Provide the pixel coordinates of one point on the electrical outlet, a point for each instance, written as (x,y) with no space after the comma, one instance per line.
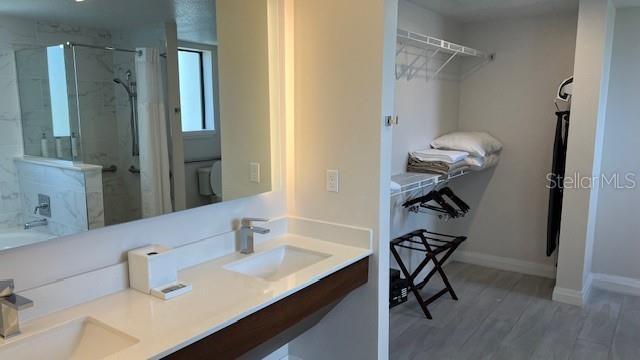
(333,180)
(254,172)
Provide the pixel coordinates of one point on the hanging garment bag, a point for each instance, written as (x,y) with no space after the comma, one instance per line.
(557,177)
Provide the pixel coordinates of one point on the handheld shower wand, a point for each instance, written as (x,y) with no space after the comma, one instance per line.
(130,88)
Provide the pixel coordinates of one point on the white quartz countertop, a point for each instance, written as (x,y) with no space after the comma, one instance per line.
(219,298)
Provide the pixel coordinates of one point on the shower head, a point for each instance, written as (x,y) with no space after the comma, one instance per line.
(117,81)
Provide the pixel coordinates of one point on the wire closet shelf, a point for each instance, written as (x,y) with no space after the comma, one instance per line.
(411,182)
(424,48)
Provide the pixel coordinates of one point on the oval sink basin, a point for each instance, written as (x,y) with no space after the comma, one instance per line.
(277,263)
(85,338)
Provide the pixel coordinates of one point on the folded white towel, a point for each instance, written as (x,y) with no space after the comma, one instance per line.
(447,156)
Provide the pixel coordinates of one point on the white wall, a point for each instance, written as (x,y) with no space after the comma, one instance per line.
(427,109)
(617,236)
(591,73)
(244,95)
(512,99)
(343,65)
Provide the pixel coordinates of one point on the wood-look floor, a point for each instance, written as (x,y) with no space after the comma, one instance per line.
(505,315)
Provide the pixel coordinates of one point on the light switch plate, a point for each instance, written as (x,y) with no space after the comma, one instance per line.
(254,172)
(333,180)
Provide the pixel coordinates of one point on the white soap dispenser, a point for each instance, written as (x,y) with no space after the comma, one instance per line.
(44,146)
(153,270)
(59,153)
(74,146)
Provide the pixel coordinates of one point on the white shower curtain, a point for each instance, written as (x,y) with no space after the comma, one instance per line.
(154,154)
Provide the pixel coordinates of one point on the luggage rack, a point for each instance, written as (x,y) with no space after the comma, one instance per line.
(432,244)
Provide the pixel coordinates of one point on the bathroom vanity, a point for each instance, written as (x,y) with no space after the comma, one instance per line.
(238,303)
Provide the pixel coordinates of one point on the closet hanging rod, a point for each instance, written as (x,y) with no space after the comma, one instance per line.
(409,38)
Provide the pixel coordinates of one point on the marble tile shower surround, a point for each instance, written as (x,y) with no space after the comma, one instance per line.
(95,102)
(75,192)
(29,39)
(102,105)
(10,138)
(122,191)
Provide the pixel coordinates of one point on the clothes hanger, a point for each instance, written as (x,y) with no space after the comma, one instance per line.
(565,92)
(433,195)
(446,191)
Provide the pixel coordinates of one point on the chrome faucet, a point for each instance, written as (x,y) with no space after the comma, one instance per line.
(246,233)
(10,304)
(41,207)
(31,224)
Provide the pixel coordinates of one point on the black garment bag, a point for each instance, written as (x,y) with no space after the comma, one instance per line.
(556,180)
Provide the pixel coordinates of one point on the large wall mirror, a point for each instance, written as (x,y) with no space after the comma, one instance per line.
(114,111)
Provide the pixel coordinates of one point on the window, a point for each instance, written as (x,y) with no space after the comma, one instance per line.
(196,89)
(191,90)
(58,90)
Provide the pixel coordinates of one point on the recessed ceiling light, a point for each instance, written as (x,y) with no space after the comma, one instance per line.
(79,0)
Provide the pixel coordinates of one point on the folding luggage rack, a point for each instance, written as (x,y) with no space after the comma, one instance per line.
(432,244)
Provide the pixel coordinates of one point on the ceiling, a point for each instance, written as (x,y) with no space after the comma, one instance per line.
(195,19)
(466,11)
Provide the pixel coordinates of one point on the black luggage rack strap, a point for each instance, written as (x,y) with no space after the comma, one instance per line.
(432,244)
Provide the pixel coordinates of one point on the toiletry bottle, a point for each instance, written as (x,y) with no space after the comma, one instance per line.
(59,147)
(74,146)
(44,146)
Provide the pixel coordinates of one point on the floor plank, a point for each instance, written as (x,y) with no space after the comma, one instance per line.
(603,311)
(528,289)
(504,315)
(527,333)
(626,341)
(558,341)
(585,350)
(485,341)
(446,342)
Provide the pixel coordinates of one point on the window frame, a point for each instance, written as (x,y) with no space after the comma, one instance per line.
(203,120)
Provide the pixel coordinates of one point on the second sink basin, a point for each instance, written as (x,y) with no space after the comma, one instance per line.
(277,263)
(85,339)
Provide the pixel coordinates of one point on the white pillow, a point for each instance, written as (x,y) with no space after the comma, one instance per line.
(475,143)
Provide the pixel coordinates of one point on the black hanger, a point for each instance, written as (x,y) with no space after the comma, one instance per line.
(423,201)
(446,191)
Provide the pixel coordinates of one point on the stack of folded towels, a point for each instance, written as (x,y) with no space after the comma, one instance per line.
(437,161)
(456,151)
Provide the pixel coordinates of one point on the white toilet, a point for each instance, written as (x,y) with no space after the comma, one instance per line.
(210,181)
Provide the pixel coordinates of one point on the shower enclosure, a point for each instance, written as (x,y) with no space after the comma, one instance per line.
(79,103)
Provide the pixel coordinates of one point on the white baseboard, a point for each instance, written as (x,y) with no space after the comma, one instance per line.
(571,296)
(508,264)
(619,284)
(567,296)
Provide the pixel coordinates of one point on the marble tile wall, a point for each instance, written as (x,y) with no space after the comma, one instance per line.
(122,190)
(100,113)
(10,133)
(25,112)
(33,79)
(75,193)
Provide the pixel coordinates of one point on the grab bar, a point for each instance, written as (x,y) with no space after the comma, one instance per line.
(192,161)
(110,169)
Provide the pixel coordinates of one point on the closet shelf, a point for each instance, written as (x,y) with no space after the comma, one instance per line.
(428,47)
(417,181)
